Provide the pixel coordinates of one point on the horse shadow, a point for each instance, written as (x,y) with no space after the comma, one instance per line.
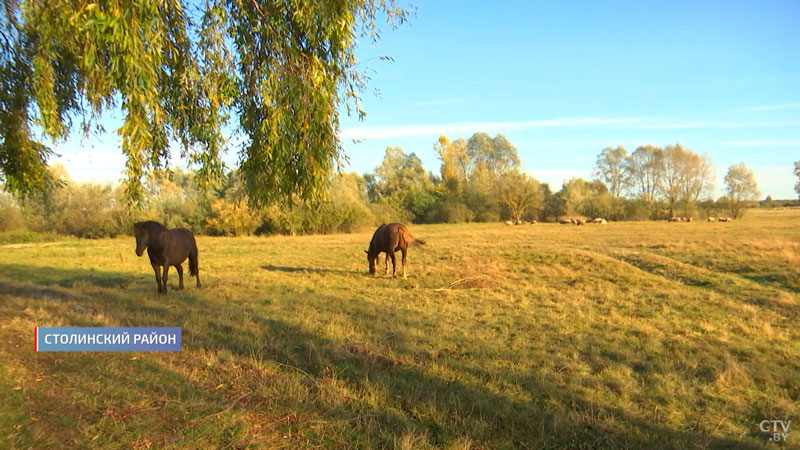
(286,269)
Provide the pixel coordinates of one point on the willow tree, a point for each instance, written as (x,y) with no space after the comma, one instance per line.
(272,74)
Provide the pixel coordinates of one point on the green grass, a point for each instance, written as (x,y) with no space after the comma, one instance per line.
(670,335)
(24,237)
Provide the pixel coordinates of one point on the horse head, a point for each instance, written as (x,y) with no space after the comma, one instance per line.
(372,262)
(142,234)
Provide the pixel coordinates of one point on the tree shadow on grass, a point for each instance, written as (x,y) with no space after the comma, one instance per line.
(34,292)
(66,277)
(340,393)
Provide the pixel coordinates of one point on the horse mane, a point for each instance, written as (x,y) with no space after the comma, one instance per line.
(150,225)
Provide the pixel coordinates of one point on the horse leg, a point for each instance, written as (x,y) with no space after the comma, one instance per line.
(158,277)
(179,268)
(386,264)
(394,264)
(404,262)
(164,277)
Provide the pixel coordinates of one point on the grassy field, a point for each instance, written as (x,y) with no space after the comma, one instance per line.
(671,335)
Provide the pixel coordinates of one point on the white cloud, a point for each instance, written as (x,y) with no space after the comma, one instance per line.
(627,123)
(772,107)
(763,143)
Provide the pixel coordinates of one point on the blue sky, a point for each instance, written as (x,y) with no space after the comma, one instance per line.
(564,79)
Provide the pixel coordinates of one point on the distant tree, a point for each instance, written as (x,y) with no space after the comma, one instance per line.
(610,168)
(586,198)
(645,167)
(481,194)
(401,180)
(741,187)
(675,168)
(494,154)
(797,173)
(470,174)
(699,182)
(455,163)
(397,175)
(519,192)
(554,204)
(686,176)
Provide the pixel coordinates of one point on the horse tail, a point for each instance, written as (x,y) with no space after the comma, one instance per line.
(411,239)
(193,264)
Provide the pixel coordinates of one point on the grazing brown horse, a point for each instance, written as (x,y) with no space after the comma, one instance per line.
(389,239)
(167,248)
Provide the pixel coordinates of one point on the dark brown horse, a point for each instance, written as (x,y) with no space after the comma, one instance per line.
(389,239)
(167,248)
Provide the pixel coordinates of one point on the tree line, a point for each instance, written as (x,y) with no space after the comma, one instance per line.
(479,180)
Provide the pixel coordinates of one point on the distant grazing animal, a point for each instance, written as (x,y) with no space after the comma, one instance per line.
(534,221)
(687,219)
(579,221)
(602,222)
(166,248)
(598,220)
(508,222)
(675,219)
(389,239)
(725,219)
(712,219)
(565,221)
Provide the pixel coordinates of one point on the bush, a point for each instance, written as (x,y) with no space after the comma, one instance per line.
(388,213)
(637,210)
(232,219)
(86,210)
(346,210)
(450,212)
(25,237)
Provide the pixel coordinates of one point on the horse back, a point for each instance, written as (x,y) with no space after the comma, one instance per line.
(183,243)
(389,237)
